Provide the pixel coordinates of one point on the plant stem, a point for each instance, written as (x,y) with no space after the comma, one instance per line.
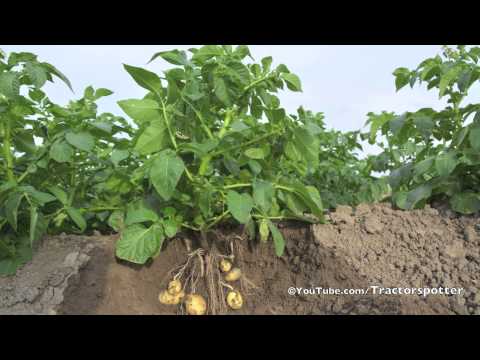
(234,186)
(263,137)
(218,219)
(200,117)
(167,124)
(255,83)
(226,124)
(7,153)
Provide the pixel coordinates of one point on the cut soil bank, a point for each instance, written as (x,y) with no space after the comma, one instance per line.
(371,246)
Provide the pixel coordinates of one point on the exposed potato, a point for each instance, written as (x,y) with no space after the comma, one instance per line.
(174,287)
(168,299)
(233,275)
(234,299)
(225,265)
(195,304)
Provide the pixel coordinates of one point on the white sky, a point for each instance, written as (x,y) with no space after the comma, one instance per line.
(344,82)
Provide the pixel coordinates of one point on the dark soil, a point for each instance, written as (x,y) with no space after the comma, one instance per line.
(373,245)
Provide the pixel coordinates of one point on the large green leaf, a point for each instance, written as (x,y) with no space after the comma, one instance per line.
(153,139)
(141,111)
(139,212)
(263,194)
(60,194)
(77,218)
(255,153)
(61,152)
(293,81)
(446,163)
(53,70)
(38,225)
(9,84)
(11,208)
(474,138)
(408,200)
(240,206)
(167,168)
(139,243)
(465,203)
(308,146)
(36,73)
(146,79)
(278,240)
(175,57)
(221,91)
(82,140)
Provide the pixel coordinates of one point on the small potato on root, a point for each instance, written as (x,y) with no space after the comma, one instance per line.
(225,265)
(234,299)
(168,299)
(195,304)
(174,287)
(233,275)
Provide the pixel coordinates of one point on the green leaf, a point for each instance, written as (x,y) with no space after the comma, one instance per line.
(175,57)
(206,52)
(11,208)
(59,194)
(146,79)
(263,230)
(141,111)
(402,77)
(278,240)
(293,82)
(465,203)
(61,152)
(153,139)
(77,218)
(82,141)
(138,243)
(423,166)
(263,194)
(446,163)
(102,92)
(116,220)
(308,146)
(36,73)
(9,84)
(239,205)
(221,91)
(53,70)
(165,173)
(119,155)
(255,153)
(38,225)
(422,192)
(474,138)
(139,212)
(170,227)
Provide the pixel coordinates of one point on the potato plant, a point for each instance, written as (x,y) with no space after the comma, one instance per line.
(58,167)
(434,154)
(215,145)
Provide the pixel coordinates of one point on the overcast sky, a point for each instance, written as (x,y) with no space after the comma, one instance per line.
(344,82)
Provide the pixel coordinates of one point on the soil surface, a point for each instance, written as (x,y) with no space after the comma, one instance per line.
(372,245)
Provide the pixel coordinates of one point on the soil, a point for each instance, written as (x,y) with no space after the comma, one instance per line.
(372,245)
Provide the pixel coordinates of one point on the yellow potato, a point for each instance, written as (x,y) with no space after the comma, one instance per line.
(195,304)
(225,265)
(174,287)
(168,299)
(233,275)
(234,299)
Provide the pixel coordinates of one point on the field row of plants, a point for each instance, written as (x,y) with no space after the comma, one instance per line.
(209,144)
